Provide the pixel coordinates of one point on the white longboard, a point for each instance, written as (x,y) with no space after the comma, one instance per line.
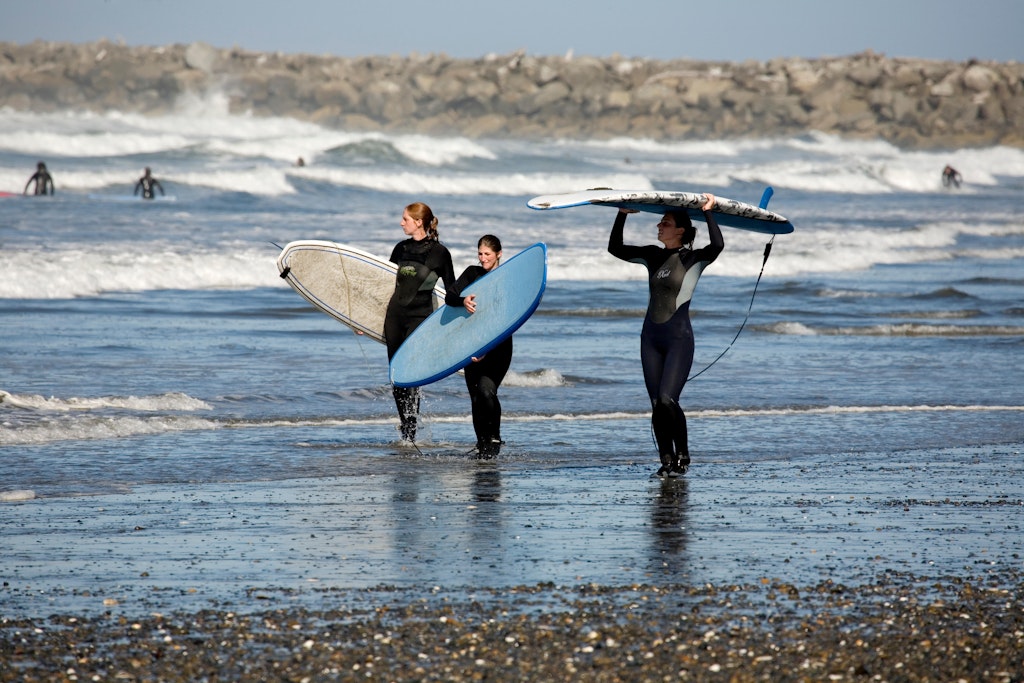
(348,284)
(728,212)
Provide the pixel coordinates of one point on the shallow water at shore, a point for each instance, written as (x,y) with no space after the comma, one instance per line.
(448,521)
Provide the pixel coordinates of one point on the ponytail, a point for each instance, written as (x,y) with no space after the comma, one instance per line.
(683,221)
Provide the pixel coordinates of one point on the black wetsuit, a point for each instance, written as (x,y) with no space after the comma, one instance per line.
(483,377)
(43,180)
(147,183)
(420,265)
(666,343)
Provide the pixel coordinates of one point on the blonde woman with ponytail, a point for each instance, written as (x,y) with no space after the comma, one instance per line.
(422,260)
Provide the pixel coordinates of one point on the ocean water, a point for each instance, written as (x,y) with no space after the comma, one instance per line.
(153,343)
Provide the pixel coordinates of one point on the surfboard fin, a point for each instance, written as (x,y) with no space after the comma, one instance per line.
(284,273)
(766,197)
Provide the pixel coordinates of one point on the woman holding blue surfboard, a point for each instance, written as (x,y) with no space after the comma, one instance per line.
(421,261)
(666,343)
(483,375)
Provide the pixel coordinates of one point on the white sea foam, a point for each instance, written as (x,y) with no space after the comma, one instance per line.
(857,410)
(38,419)
(819,248)
(92,428)
(897,330)
(88,270)
(465,183)
(17,495)
(240,148)
(770,412)
(261,179)
(547,377)
(173,401)
(84,271)
(77,427)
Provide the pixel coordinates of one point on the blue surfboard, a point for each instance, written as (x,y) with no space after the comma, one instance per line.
(451,337)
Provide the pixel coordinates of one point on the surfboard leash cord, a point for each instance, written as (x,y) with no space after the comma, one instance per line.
(764,262)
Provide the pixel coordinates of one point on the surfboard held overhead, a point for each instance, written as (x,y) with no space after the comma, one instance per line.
(728,212)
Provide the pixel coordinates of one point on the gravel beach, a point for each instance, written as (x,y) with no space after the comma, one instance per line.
(969,629)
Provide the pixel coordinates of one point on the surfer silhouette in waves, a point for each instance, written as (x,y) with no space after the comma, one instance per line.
(147,183)
(42,179)
(666,342)
(951,177)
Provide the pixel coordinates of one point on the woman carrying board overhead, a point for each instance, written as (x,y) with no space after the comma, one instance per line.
(421,261)
(483,375)
(666,343)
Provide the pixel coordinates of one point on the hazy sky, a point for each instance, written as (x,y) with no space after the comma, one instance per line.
(731,30)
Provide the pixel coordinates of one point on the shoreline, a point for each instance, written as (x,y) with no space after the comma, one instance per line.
(912,103)
(449,525)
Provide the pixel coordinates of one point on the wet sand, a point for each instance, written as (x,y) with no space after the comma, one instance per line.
(896,566)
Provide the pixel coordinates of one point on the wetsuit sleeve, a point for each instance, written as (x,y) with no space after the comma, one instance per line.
(615,238)
(395,253)
(626,252)
(445,269)
(453,295)
(711,252)
(137,186)
(157,183)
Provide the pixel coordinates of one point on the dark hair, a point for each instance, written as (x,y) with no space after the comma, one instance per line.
(682,219)
(491,241)
(421,212)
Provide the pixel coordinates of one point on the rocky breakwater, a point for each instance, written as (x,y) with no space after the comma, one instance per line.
(913,103)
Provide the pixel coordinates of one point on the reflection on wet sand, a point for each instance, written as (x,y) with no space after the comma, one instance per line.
(669,510)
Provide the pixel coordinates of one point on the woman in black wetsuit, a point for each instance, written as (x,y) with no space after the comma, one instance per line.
(666,343)
(484,375)
(421,260)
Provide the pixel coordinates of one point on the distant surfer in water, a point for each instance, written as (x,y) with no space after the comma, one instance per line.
(485,374)
(666,343)
(421,261)
(42,179)
(146,183)
(951,177)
